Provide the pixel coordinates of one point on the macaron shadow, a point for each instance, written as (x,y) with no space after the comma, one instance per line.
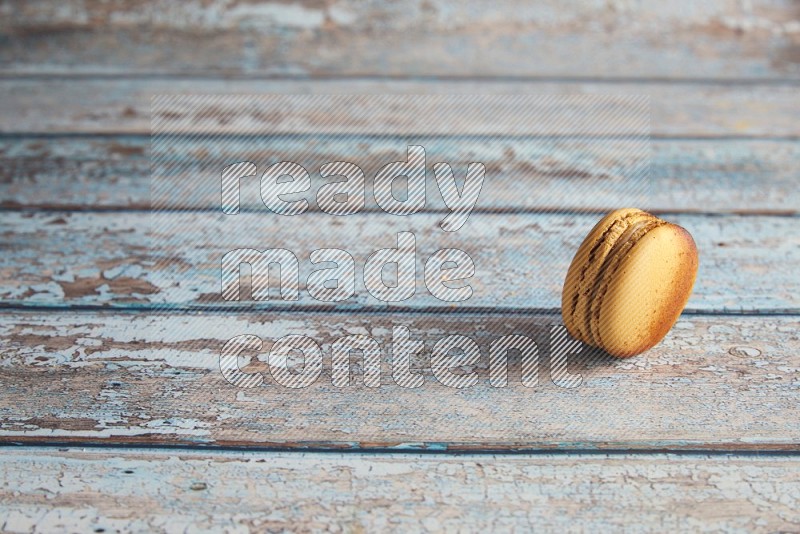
(581,358)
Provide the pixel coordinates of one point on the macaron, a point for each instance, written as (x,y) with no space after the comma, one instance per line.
(628,282)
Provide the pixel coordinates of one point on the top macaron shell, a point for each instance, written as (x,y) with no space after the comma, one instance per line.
(641,299)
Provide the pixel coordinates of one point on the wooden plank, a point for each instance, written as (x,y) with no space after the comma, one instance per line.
(111,259)
(88,172)
(123,105)
(440,38)
(715,382)
(86,490)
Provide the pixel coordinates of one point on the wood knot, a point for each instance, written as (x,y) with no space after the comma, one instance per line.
(742,351)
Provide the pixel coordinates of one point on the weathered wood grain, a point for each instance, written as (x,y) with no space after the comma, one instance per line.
(73,376)
(715,382)
(114,172)
(87,490)
(112,259)
(758,39)
(123,105)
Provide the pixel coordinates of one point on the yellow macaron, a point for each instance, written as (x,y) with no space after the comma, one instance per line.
(629,282)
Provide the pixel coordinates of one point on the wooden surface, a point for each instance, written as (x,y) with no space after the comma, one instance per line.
(710,176)
(716,382)
(704,109)
(718,39)
(186,490)
(107,258)
(98,348)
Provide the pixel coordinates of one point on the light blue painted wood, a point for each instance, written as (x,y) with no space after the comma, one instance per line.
(714,383)
(107,259)
(91,172)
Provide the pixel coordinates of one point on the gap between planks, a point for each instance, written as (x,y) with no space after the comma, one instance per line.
(466,78)
(179,309)
(406,450)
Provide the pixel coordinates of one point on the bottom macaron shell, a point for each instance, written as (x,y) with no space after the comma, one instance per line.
(647,291)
